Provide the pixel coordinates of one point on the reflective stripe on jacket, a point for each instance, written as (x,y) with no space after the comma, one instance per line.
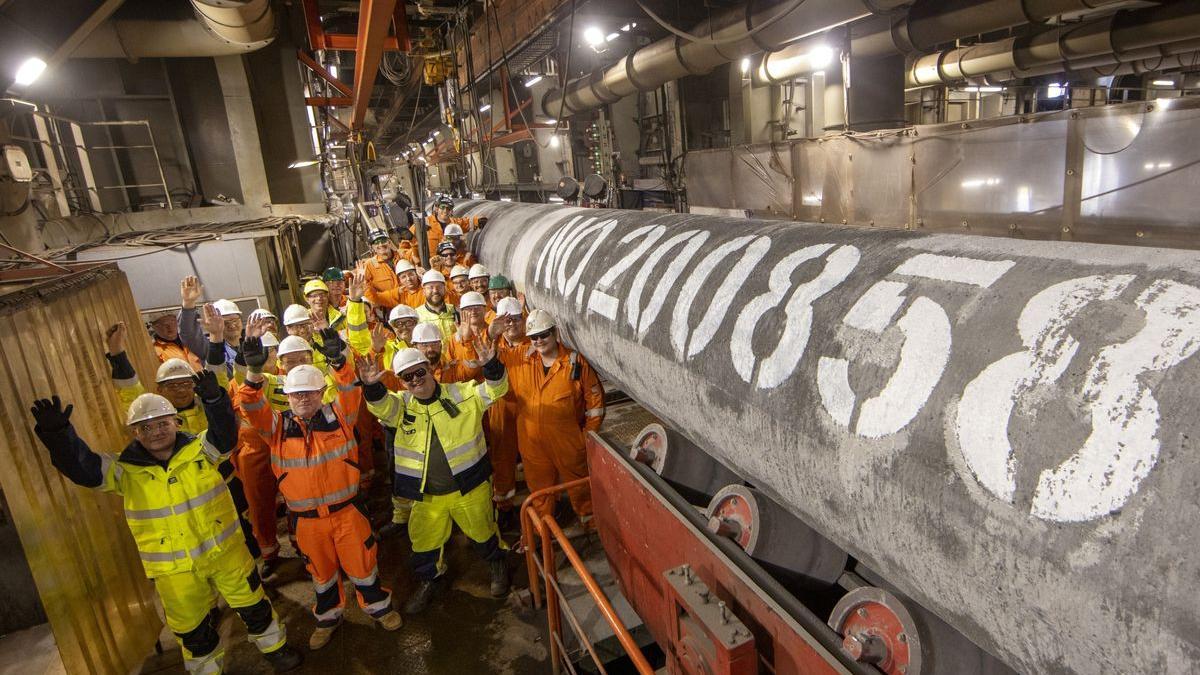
(457,419)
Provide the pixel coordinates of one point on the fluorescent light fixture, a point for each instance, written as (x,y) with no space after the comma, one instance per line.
(551,120)
(30,71)
(301,163)
(437,133)
(333,70)
(533,80)
(485,107)
(626,27)
(819,56)
(593,35)
(506,199)
(745,65)
(984,90)
(1055,90)
(611,36)
(555,200)
(554,141)
(1163,83)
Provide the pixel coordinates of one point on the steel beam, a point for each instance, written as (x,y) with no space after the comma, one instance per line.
(326,101)
(322,72)
(374,17)
(1003,429)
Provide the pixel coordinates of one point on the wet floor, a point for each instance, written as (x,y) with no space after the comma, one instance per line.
(465,630)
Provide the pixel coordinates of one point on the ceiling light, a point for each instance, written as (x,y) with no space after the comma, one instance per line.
(437,133)
(485,107)
(611,36)
(819,57)
(745,65)
(333,70)
(506,199)
(1055,90)
(626,27)
(301,163)
(554,141)
(1163,83)
(533,80)
(30,71)
(593,35)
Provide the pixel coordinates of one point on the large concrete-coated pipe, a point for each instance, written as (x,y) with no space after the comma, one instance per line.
(153,29)
(1003,429)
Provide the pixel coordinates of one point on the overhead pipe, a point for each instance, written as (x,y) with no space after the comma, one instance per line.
(156,29)
(927,24)
(1174,56)
(674,57)
(1114,35)
(934,404)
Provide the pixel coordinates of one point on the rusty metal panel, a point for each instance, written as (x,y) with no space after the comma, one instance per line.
(99,603)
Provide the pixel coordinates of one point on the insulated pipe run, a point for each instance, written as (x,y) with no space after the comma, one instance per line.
(673,57)
(151,29)
(1174,56)
(1125,31)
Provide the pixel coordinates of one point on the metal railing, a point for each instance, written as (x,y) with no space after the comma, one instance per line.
(548,533)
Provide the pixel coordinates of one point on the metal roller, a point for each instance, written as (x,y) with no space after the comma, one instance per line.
(773,536)
(1001,428)
(876,628)
(690,470)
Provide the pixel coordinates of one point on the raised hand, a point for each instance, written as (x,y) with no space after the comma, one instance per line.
(114,338)
(369,372)
(484,349)
(253,353)
(190,291)
(332,344)
(320,319)
(357,285)
(207,387)
(379,338)
(212,323)
(256,326)
(49,413)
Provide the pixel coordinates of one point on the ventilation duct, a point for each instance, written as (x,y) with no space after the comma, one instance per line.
(153,29)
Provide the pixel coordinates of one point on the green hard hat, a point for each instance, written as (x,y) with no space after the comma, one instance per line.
(333,274)
(499,282)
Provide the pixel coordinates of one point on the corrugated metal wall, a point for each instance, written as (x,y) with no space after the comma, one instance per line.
(99,602)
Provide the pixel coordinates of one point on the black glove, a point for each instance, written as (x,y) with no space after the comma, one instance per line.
(483,220)
(49,414)
(253,353)
(332,345)
(207,387)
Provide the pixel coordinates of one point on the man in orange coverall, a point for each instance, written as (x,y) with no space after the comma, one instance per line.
(508,328)
(559,397)
(315,459)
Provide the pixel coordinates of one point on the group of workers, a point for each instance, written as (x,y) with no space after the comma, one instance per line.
(445,368)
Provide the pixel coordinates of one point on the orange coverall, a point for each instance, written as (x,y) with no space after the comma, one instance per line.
(316,464)
(382,284)
(554,408)
(501,429)
(253,464)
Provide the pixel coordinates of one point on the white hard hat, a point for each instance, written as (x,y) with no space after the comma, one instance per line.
(508,307)
(471,299)
(261,312)
(407,358)
(292,344)
(147,407)
(426,332)
(173,369)
(433,277)
(479,272)
(227,307)
(402,312)
(303,378)
(539,321)
(459,271)
(269,340)
(295,314)
(453,230)
(404,266)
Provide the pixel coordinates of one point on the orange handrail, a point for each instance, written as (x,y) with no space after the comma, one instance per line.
(549,531)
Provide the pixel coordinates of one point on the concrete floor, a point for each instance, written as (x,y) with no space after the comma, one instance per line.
(464,631)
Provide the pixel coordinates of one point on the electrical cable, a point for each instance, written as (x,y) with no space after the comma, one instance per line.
(723,41)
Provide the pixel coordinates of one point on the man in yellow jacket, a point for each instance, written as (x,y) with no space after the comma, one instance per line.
(441,461)
(181,515)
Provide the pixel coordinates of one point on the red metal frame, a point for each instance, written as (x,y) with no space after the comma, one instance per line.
(629,513)
(374,17)
(319,39)
(322,72)
(329,101)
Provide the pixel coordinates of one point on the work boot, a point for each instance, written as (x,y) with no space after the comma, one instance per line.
(285,659)
(422,595)
(391,529)
(391,620)
(499,586)
(269,567)
(506,520)
(321,636)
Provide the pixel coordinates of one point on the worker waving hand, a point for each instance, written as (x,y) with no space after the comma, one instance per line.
(182,517)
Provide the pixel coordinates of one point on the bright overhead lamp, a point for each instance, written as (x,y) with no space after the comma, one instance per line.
(611,36)
(745,65)
(533,80)
(593,35)
(437,132)
(485,107)
(820,56)
(301,163)
(1163,83)
(29,71)
(333,70)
